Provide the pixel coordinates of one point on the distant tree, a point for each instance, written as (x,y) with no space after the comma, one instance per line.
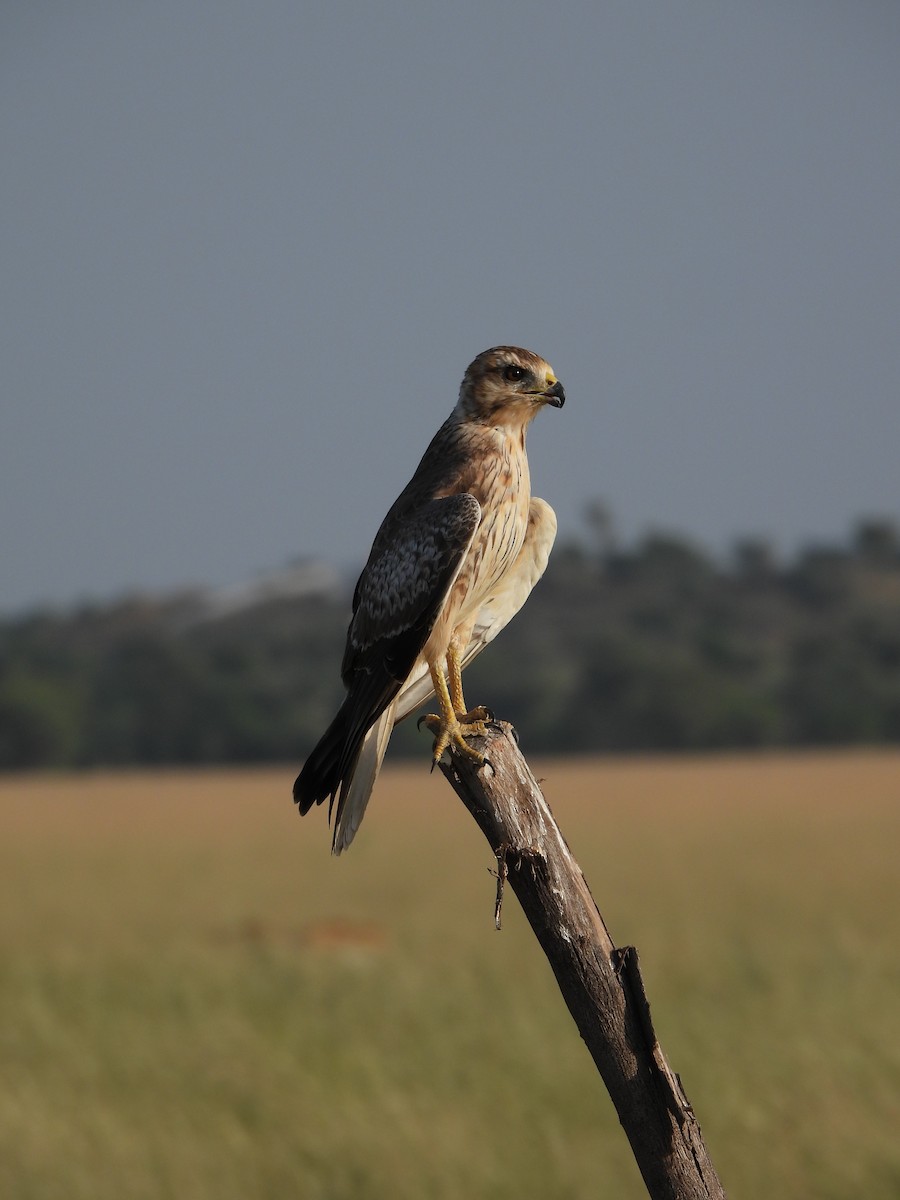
(822,576)
(876,541)
(147,704)
(754,560)
(598,518)
(39,722)
(832,693)
(664,648)
(673,559)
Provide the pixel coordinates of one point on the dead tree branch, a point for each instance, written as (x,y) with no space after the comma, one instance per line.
(601,984)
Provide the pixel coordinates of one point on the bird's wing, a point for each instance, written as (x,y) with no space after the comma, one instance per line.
(499,608)
(400,594)
(497,611)
(403,586)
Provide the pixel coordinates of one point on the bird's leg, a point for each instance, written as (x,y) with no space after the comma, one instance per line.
(477,716)
(454,679)
(447,728)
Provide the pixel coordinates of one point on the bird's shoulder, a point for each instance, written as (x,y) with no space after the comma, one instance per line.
(421,541)
(450,466)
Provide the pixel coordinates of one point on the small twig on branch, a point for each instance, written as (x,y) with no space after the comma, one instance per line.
(501,874)
(602,985)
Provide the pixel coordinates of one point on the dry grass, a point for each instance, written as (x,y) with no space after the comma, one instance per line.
(197,1001)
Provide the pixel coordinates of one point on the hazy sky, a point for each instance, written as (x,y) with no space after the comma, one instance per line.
(248,249)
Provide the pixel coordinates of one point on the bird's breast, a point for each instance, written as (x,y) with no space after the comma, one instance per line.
(502,487)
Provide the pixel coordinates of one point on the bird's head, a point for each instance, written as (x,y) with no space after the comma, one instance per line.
(508,386)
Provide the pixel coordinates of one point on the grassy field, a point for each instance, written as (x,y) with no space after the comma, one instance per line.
(197,1001)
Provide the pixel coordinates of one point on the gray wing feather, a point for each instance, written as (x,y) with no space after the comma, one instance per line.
(411,568)
(401,591)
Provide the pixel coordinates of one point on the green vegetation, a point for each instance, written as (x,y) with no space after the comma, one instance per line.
(653,647)
(197,1001)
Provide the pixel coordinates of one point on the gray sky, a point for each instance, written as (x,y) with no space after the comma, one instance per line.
(249,247)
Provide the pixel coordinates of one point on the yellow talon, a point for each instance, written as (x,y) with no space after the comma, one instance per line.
(454,724)
(454,733)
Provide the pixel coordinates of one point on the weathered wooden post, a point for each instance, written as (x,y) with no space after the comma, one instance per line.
(601,984)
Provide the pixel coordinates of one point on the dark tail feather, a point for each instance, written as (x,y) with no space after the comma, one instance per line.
(333,758)
(321,774)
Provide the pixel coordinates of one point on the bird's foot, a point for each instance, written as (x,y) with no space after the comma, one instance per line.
(480,715)
(454,732)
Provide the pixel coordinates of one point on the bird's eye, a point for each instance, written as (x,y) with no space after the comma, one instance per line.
(512,373)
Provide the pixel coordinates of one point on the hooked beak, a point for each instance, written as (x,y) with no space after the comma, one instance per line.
(555,395)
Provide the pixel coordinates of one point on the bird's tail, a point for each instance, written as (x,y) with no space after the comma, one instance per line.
(346,758)
(357,788)
(322,770)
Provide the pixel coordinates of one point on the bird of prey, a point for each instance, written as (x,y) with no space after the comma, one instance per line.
(454,560)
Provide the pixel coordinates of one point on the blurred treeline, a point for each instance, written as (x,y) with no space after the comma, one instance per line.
(655,646)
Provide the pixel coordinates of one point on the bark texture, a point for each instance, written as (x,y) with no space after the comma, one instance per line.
(600,983)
